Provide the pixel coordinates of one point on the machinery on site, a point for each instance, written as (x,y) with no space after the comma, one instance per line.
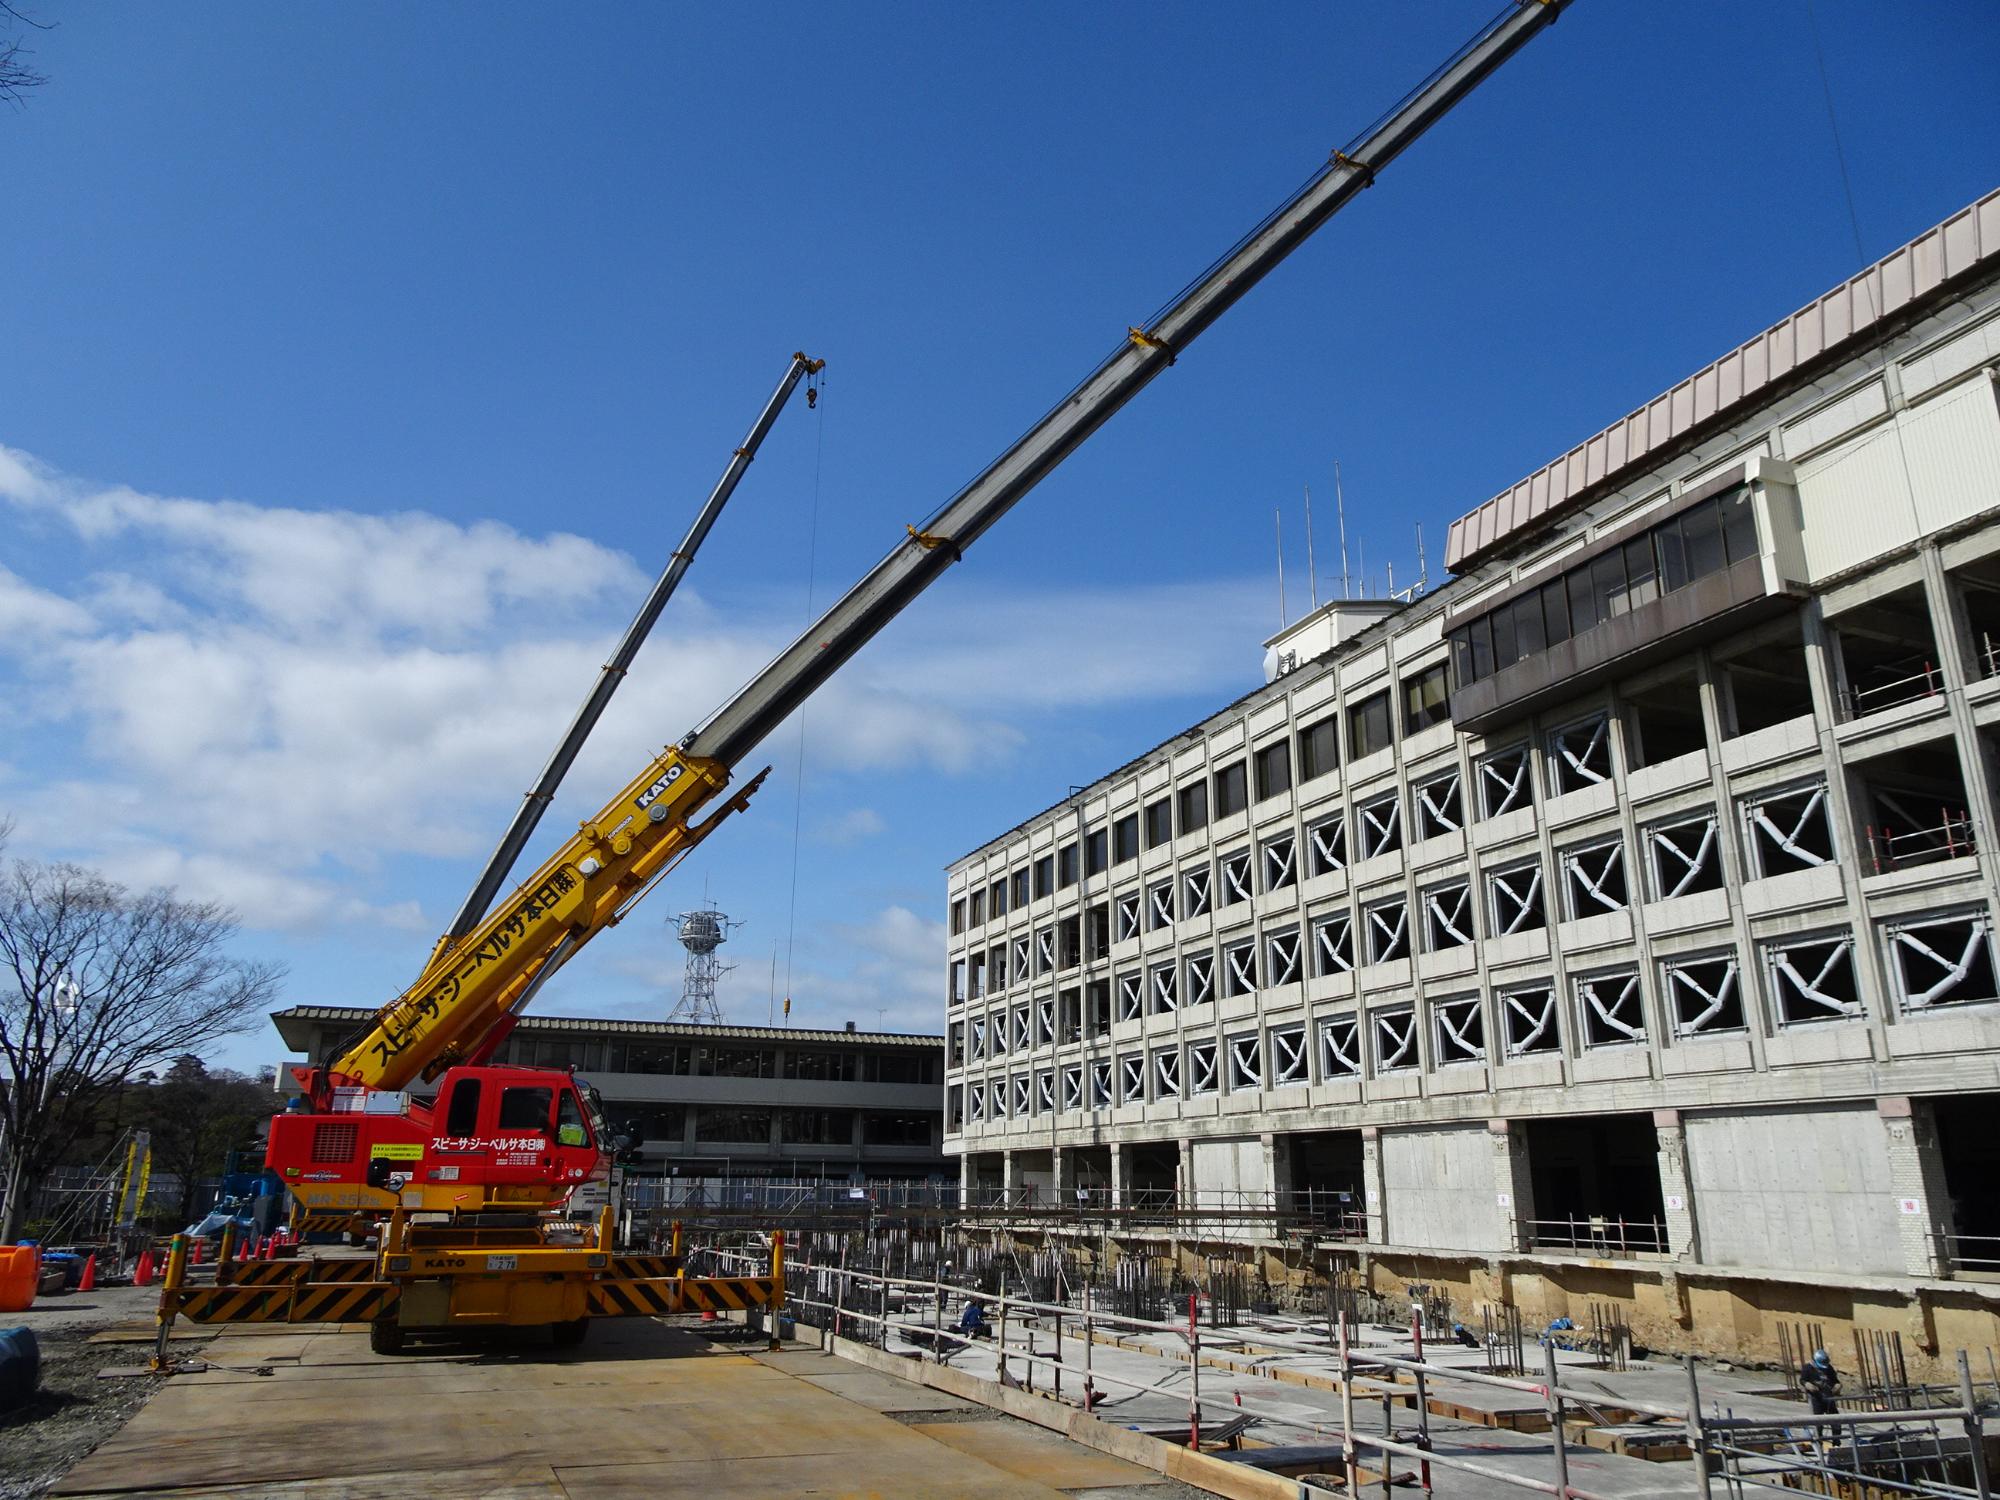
(467,1181)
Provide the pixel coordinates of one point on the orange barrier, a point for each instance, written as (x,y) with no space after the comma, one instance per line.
(20,1275)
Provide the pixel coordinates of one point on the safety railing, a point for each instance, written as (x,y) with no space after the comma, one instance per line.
(1593,1234)
(1972,1254)
(1731,1455)
(1887,686)
(1949,838)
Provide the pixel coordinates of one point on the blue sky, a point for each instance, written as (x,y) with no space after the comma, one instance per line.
(359,364)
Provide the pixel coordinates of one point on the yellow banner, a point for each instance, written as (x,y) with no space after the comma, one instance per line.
(397,1151)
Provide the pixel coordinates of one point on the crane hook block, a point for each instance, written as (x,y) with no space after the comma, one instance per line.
(930,543)
(1146,340)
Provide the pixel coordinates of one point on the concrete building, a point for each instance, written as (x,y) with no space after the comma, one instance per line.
(1614,922)
(727,1101)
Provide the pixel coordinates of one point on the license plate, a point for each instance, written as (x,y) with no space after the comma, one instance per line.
(502,1262)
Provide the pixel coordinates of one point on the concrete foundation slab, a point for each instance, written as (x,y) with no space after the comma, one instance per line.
(1041,1456)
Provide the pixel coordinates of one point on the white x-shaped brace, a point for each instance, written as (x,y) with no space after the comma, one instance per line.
(1464,1032)
(1514,906)
(1196,893)
(1450,910)
(1132,1077)
(1201,980)
(1045,950)
(975,1102)
(1610,1014)
(1020,960)
(1439,802)
(1161,898)
(1288,1055)
(1201,1069)
(1809,990)
(1024,1035)
(1236,878)
(1329,846)
(1242,967)
(997,1099)
(1336,955)
(1128,917)
(1691,865)
(1385,931)
(1502,780)
(1020,1097)
(975,1033)
(1395,1037)
(1954,970)
(1714,1000)
(1167,1074)
(1100,1085)
(1246,1066)
(1163,988)
(1340,1054)
(1045,1090)
(1279,857)
(1045,1021)
(1528,1024)
(1611,863)
(1583,762)
(999,1038)
(1131,996)
(1379,820)
(1072,1088)
(1284,958)
(1787,839)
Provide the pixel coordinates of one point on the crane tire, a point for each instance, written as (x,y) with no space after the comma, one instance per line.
(385,1336)
(568,1334)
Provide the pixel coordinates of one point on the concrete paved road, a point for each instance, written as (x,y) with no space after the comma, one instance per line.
(641,1410)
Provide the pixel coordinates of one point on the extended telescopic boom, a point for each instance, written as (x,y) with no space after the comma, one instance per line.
(470,990)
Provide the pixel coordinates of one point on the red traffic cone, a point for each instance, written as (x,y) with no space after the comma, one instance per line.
(194,1251)
(88,1281)
(142,1274)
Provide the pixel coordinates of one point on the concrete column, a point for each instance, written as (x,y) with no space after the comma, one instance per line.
(1008,1182)
(1184,1171)
(1513,1187)
(1062,1175)
(1676,1188)
(1374,1201)
(965,1180)
(1277,1153)
(1120,1169)
(1916,1168)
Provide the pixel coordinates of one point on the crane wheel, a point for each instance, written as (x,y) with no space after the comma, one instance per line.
(385,1336)
(568,1334)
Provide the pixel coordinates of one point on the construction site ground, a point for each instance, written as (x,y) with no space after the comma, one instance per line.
(642,1409)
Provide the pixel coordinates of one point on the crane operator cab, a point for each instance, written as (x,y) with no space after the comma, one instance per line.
(507,1139)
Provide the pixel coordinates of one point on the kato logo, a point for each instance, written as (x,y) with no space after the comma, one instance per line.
(652,793)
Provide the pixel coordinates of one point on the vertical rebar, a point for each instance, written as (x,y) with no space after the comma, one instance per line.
(1554,1401)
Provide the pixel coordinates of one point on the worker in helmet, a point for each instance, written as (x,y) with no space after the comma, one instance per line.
(972,1321)
(1821,1383)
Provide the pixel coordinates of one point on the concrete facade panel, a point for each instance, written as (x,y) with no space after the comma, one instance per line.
(1439,1188)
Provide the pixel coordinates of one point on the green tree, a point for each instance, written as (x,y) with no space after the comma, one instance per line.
(197,1118)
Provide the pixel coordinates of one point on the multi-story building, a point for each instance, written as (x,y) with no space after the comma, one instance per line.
(727,1101)
(1614,921)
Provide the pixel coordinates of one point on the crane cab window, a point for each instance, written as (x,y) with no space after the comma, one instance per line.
(569,1121)
(462,1119)
(526,1109)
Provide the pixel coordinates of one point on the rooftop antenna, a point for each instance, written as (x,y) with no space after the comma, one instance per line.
(771,1014)
(1340,505)
(1423,567)
(1312,568)
(1278,519)
(701,932)
(1361,556)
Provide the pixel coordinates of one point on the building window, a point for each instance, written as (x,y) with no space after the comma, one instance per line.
(996,967)
(1065,867)
(975,909)
(1165,993)
(1125,839)
(1159,906)
(1594,879)
(1125,916)
(821,1067)
(1291,1062)
(1132,1078)
(1368,727)
(1388,927)
(1812,979)
(1379,824)
(1069,942)
(1200,979)
(1167,1073)
(958,916)
(1024,1028)
(1045,1021)
(1942,961)
(1702,994)
(1684,857)
(976,975)
(1239,968)
(975,1038)
(1019,1091)
(1274,770)
(1448,916)
(1580,755)
(1503,781)
(1045,951)
(1159,822)
(1072,1088)
(1018,883)
(1232,790)
(996,900)
(997,1035)
(1201,1069)
(1459,1031)
(1246,1063)
(1392,1033)
(1281,958)
(1529,1023)
(1787,830)
(1426,699)
(735,1062)
(1045,876)
(975,1103)
(1339,1047)
(1437,806)
(731,1122)
(1045,1092)
(1195,892)
(1020,946)
(1610,1010)
(1194,807)
(1514,899)
(1319,749)
(1333,944)
(1236,877)
(1281,863)
(1096,853)
(1326,845)
(817,1127)
(1097,932)
(1100,1084)
(1132,996)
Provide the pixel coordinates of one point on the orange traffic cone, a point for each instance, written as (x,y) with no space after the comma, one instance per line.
(142,1274)
(88,1281)
(194,1252)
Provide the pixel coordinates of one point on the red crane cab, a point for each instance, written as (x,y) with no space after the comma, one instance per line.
(495,1139)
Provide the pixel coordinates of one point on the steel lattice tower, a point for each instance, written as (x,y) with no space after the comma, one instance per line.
(701,932)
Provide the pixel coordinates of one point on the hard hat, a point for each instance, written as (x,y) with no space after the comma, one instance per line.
(1820,1357)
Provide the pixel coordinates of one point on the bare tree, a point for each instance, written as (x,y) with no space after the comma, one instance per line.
(197,1118)
(16,75)
(96,983)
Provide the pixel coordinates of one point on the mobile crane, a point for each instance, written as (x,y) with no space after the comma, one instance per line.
(499,1147)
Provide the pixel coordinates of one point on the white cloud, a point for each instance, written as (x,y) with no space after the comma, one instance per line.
(852,826)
